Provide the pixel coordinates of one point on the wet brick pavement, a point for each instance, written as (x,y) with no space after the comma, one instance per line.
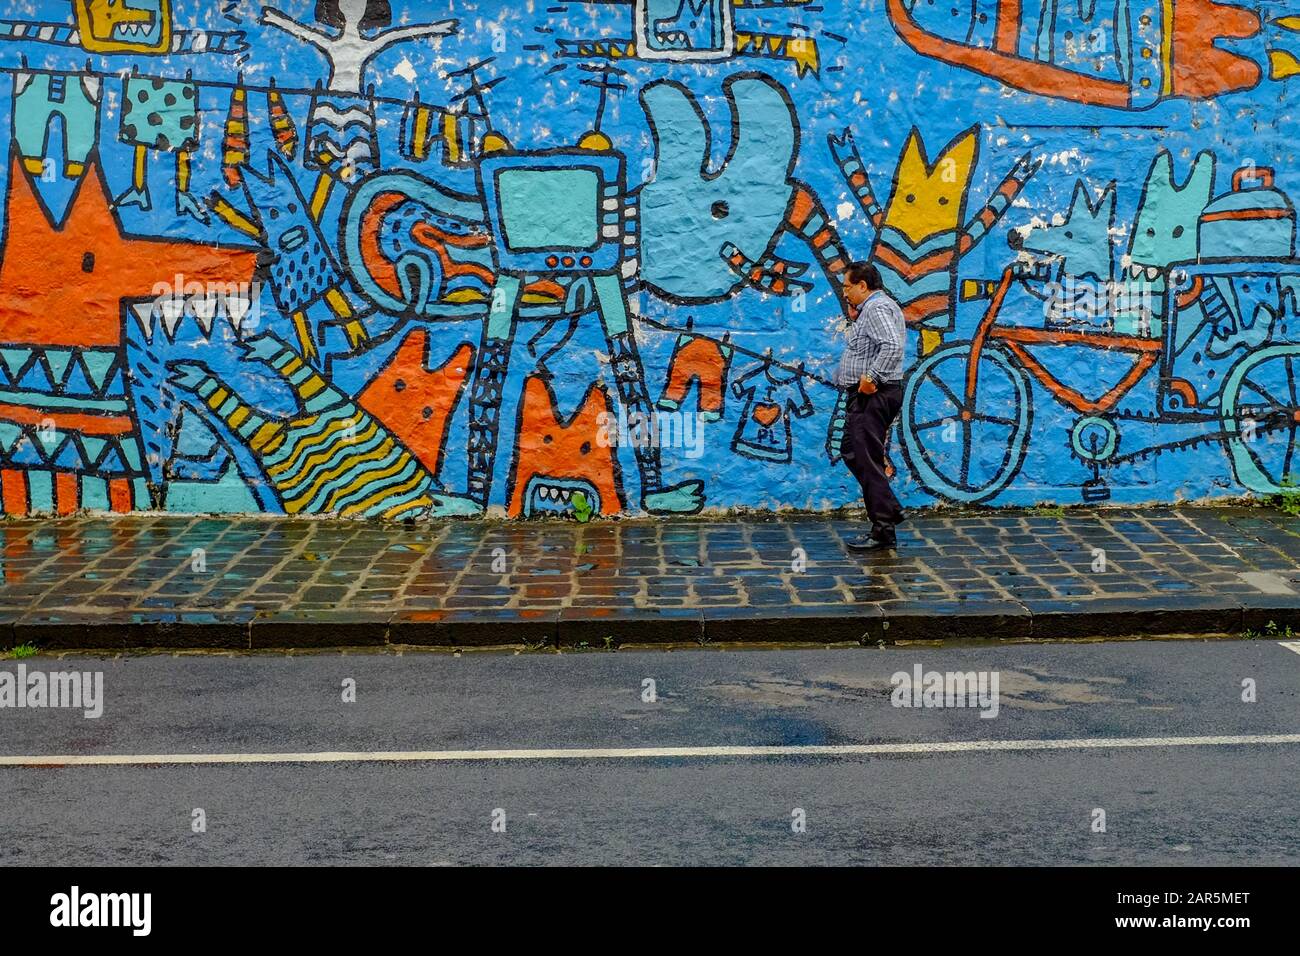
(255,582)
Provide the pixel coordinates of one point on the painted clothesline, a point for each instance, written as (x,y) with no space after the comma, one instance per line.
(765,356)
(271,87)
(280,91)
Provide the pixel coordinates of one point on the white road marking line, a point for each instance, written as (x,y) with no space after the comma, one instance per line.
(1291,645)
(639,753)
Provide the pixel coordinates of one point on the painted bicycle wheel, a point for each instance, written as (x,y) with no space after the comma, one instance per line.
(964,451)
(1260,413)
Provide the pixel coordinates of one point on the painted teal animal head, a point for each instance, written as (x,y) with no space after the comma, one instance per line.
(1081,244)
(1164,229)
(689,211)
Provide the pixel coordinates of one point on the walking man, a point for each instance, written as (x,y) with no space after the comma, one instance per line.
(871,371)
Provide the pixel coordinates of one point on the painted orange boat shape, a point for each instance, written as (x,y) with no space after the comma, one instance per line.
(1171,49)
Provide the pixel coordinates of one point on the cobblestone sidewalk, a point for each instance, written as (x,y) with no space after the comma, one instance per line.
(252,582)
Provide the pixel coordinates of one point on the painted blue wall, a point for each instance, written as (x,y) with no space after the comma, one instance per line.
(1087,221)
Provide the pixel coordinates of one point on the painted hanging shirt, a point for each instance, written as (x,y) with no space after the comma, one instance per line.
(771,396)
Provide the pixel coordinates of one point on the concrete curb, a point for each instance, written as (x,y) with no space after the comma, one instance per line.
(813,625)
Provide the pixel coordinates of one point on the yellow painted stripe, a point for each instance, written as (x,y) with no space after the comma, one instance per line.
(239,416)
(303,331)
(311,454)
(275,442)
(367,478)
(421,131)
(338,305)
(1167,48)
(320,196)
(466,295)
(311,386)
(325,454)
(263,436)
(308,444)
(415,504)
(451,138)
(349,462)
(233,217)
(363,506)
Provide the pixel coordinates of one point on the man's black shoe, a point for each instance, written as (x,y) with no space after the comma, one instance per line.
(871,544)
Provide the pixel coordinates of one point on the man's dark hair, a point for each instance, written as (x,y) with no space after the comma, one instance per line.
(865,272)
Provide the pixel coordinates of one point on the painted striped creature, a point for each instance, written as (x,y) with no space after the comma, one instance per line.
(331,458)
(920,235)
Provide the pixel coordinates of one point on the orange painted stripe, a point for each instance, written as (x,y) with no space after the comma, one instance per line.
(925,306)
(1246,214)
(935,262)
(892,259)
(119,494)
(68,421)
(801,209)
(451,268)
(427,233)
(1097,340)
(66,489)
(1007,37)
(1009,68)
(13,487)
(545,287)
(377,265)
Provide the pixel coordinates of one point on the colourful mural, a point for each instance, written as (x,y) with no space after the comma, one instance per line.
(384,258)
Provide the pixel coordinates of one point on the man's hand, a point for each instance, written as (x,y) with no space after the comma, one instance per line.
(866,386)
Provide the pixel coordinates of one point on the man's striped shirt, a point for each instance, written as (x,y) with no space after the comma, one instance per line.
(875,346)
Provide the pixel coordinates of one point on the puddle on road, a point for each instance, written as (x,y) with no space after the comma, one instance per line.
(1028,688)
(774,691)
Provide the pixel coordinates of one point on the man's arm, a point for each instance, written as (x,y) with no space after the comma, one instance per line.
(846,373)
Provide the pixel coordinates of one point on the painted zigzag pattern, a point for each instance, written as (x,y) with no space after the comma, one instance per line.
(333,459)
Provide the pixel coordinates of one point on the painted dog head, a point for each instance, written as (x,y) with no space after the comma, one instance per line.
(1081,243)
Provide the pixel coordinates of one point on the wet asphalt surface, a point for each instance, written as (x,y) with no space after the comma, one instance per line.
(1236,804)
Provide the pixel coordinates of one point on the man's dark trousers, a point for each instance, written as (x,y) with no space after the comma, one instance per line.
(866,429)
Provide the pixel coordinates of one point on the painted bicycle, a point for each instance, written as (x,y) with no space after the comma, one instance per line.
(1218,354)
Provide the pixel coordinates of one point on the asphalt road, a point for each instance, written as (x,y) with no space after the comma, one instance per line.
(1233,803)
